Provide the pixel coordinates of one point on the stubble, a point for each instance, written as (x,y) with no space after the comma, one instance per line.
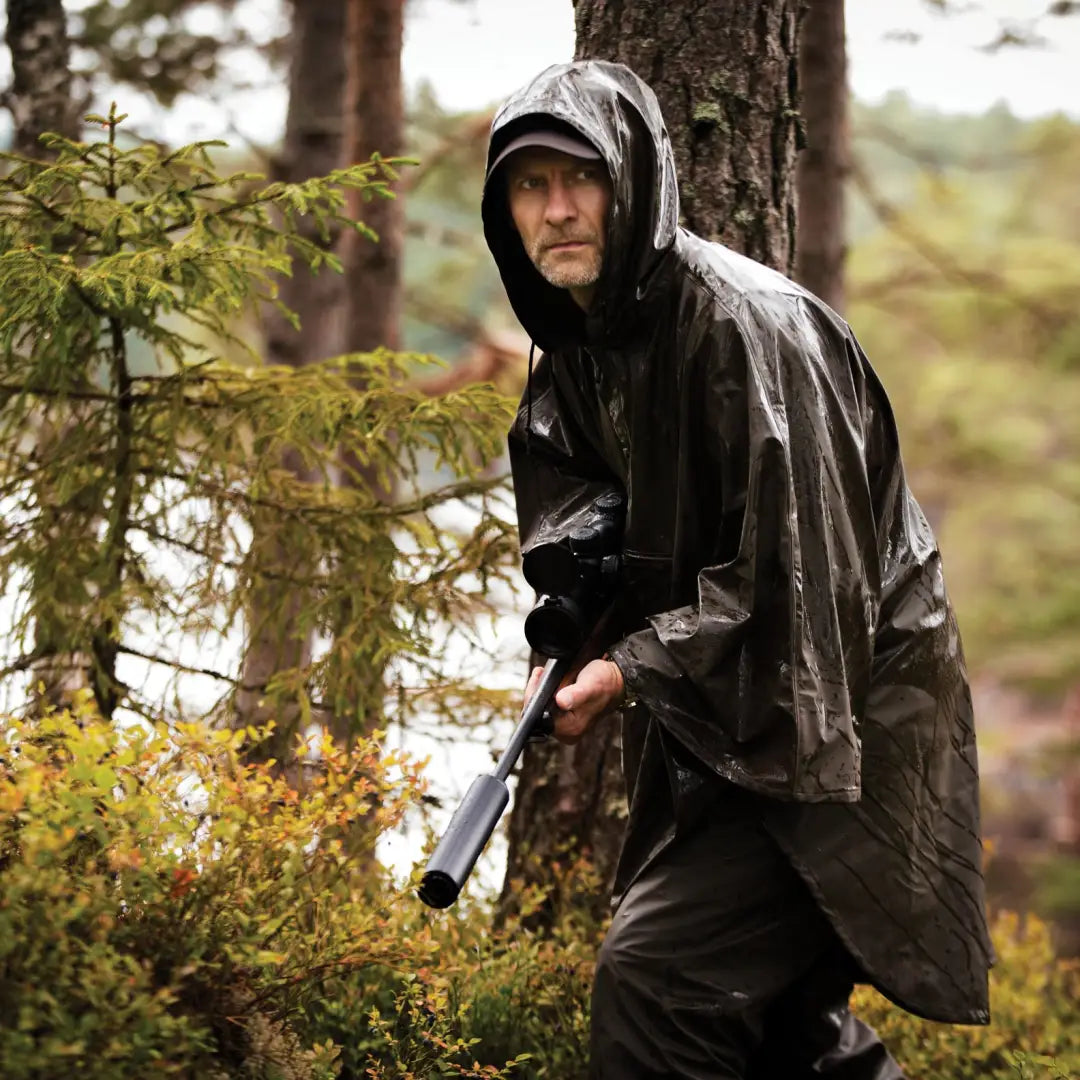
(567,270)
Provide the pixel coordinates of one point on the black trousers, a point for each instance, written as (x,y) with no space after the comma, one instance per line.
(720,966)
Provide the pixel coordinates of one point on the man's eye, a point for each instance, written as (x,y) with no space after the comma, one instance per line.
(531,183)
(590,174)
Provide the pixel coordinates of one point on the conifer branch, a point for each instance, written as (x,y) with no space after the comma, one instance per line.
(52,212)
(176,665)
(458,489)
(226,563)
(24,662)
(134,397)
(146,467)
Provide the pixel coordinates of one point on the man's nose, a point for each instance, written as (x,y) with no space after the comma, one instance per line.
(560,205)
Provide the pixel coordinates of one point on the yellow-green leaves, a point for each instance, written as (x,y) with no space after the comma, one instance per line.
(154,928)
(157,476)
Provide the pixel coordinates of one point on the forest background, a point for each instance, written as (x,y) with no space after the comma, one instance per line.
(960,277)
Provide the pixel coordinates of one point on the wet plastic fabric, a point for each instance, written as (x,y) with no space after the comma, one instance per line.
(748,981)
(784,614)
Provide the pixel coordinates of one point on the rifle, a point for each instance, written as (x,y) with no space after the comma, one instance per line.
(576,578)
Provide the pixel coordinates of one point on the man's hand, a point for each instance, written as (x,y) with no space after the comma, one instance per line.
(584,695)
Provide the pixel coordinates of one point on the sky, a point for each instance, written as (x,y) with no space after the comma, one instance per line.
(478,51)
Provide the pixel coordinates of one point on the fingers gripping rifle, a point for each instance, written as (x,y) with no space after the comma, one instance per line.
(576,578)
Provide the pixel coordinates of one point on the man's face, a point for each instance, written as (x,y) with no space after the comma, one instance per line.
(559,205)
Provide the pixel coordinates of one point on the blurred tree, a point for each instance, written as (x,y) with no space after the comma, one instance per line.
(962,296)
(823,162)
(962,278)
(1015,28)
(40,100)
(163,48)
(726,78)
(374,123)
(40,97)
(345,104)
(150,45)
(310,330)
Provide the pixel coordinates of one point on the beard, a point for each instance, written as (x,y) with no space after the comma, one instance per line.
(568,270)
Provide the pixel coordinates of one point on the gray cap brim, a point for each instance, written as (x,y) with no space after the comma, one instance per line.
(553,140)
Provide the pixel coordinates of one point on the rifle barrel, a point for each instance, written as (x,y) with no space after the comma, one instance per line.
(475,819)
(554,670)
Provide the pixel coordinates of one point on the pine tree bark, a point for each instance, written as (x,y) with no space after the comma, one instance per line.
(374,118)
(312,146)
(40,97)
(569,812)
(823,163)
(374,123)
(725,73)
(40,100)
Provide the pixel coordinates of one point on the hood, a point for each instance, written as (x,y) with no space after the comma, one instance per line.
(611,107)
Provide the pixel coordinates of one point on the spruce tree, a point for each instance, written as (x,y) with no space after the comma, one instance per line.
(125,269)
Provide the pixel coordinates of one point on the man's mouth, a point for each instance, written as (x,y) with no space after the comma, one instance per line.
(568,245)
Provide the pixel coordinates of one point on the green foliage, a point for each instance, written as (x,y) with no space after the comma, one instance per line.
(151,45)
(129,495)
(452,287)
(962,286)
(529,991)
(492,994)
(165,909)
(423,1042)
(1059,884)
(521,993)
(529,994)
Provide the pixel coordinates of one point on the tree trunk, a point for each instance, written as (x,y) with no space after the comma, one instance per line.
(40,96)
(726,77)
(40,100)
(374,123)
(311,147)
(823,163)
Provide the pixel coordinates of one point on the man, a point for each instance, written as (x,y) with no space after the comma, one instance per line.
(797,727)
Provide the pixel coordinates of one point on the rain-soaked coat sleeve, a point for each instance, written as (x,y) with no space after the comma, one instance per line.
(765,673)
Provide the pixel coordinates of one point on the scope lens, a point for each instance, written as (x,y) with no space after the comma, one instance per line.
(554,629)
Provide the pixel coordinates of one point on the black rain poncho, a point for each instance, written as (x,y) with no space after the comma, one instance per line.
(783,615)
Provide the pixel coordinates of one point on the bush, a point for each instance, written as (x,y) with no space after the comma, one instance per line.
(523,992)
(168,910)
